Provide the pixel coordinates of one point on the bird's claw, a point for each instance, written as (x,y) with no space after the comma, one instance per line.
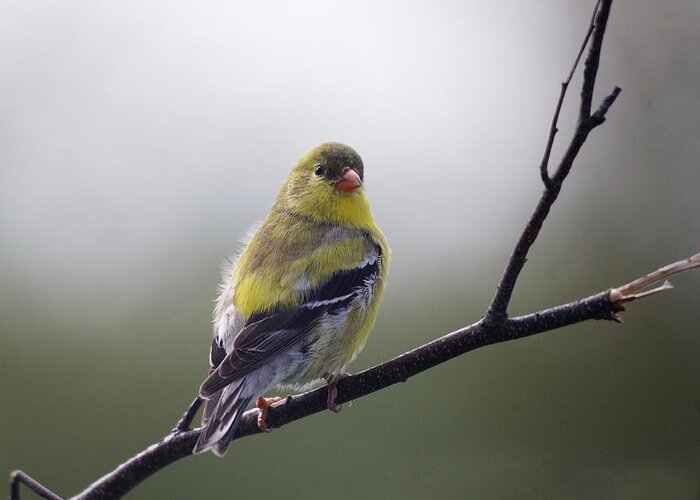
(332,381)
(263,404)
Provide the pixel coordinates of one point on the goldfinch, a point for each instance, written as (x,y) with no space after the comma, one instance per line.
(299,302)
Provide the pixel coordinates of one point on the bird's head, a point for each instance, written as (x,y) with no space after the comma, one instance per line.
(327,185)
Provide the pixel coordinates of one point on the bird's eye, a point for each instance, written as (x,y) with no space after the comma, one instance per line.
(320,170)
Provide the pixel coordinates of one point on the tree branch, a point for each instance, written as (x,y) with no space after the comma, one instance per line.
(606,305)
(498,310)
(493,328)
(17,477)
(553,129)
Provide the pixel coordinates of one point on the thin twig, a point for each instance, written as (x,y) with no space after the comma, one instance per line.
(599,116)
(18,477)
(498,309)
(641,287)
(590,67)
(187,418)
(553,129)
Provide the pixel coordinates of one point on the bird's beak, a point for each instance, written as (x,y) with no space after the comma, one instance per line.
(348,181)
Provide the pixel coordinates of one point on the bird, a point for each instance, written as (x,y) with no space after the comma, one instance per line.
(298,303)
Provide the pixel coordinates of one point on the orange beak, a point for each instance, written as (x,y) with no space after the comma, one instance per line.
(349,181)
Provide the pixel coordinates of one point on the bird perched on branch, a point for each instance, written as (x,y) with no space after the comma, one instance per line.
(300,300)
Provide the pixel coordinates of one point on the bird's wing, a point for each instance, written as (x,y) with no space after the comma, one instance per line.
(267,334)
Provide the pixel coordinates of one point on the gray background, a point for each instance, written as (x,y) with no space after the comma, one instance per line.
(139,140)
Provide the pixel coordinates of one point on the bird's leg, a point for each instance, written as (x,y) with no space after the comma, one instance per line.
(19,476)
(263,405)
(184,424)
(332,381)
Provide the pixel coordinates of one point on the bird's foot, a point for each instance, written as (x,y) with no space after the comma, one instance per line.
(332,381)
(263,404)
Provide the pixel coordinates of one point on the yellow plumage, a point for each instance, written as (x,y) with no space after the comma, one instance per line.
(303,296)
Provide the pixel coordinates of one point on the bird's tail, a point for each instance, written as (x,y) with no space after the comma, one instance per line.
(222,412)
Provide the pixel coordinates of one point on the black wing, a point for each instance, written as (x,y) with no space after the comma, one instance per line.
(267,334)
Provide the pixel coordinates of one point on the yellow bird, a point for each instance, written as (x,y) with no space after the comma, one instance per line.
(302,297)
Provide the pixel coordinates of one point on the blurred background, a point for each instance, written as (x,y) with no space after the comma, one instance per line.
(140,139)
